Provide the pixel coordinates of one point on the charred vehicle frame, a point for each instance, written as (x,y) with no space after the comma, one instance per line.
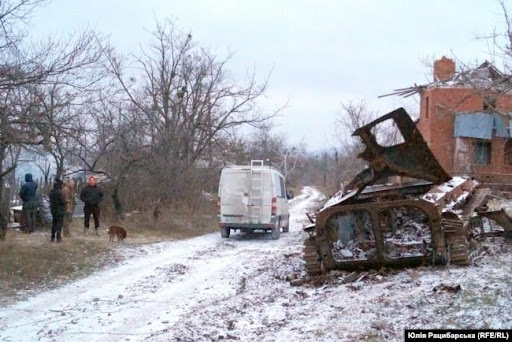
(363,225)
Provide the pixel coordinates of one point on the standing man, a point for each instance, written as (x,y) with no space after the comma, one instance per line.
(28,194)
(67,190)
(91,195)
(58,209)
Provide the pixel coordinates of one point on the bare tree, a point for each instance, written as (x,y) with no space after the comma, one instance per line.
(188,100)
(352,116)
(25,66)
(12,13)
(500,40)
(45,167)
(266,145)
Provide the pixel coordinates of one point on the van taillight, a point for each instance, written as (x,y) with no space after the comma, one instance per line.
(274,205)
(218,205)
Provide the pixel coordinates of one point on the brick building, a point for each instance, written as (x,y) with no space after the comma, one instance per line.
(465,120)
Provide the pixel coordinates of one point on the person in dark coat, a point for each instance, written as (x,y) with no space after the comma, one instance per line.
(28,194)
(91,195)
(58,208)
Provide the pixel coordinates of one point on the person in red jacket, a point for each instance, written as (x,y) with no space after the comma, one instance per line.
(91,195)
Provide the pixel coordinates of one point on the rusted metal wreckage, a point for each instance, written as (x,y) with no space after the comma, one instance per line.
(427,218)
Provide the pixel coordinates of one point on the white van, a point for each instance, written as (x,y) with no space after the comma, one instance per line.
(252,198)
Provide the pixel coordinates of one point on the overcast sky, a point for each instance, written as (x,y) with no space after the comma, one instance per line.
(320,53)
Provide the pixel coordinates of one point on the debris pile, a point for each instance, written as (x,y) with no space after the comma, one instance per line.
(409,234)
(353,250)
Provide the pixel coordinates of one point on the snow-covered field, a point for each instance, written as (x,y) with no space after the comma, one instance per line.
(209,289)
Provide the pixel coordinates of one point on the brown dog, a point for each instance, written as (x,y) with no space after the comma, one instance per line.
(118,231)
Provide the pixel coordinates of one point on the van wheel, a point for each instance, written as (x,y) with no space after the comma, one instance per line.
(286,228)
(224,232)
(276,231)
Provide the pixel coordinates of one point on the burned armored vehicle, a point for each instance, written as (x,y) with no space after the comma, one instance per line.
(424,216)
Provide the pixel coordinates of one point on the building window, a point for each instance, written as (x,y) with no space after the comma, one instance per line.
(427,106)
(489,103)
(508,152)
(482,153)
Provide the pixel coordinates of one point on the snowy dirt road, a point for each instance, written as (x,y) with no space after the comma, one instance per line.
(212,289)
(187,290)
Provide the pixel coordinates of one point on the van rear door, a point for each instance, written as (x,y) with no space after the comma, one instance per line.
(233,192)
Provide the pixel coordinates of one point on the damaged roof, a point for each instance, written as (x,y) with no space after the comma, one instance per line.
(485,76)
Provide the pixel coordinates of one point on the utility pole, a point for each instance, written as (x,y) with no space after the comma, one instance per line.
(285,165)
(285,159)
(325,169)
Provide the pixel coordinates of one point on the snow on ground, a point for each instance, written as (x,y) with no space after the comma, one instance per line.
(209,289)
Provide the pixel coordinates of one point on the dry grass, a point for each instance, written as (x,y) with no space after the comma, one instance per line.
(172,223)
(30,262)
